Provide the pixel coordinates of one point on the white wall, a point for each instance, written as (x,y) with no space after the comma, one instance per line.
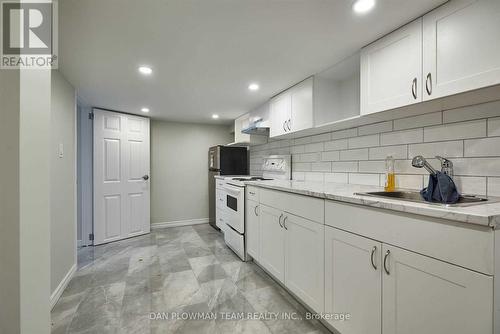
(179,169)
(62,180)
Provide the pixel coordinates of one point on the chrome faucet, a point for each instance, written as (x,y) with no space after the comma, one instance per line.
(446,165)
(419,162)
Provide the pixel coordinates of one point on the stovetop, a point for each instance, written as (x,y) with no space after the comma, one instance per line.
(251,178)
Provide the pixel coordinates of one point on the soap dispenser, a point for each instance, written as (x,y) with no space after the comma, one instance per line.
(390,178)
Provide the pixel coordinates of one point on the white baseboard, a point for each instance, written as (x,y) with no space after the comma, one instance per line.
(60,288)
(177,223)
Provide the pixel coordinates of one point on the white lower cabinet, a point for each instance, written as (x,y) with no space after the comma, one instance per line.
(424,295)
(292,250)
(353,281)
(304,260)
(272,242)
(252,229)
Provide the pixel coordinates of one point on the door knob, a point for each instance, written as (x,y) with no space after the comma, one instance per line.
(145,177)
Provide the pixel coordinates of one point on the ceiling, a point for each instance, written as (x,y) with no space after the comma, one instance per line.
(205,53)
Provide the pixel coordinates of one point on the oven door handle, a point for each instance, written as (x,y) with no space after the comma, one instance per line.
(233,191)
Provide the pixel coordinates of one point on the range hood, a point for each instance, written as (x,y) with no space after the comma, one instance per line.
(257,127)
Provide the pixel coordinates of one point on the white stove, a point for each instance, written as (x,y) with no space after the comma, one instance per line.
(230,215)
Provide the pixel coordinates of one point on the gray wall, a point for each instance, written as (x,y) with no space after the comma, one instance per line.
(63,183)
(179,169)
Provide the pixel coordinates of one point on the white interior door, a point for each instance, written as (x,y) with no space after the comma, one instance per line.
(121,176)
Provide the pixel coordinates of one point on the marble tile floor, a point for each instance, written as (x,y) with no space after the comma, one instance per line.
(184,271)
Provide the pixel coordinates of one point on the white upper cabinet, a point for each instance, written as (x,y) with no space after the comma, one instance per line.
(461,47)
(281,113)
(301,117)
(424,295)
(391,70)
(239,124)
(292,110)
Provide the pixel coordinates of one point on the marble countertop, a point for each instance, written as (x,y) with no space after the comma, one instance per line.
(480,214)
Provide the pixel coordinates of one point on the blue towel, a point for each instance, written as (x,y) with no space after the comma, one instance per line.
(441,189)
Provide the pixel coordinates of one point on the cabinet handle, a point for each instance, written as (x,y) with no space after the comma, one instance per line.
(385,261)
(374,249)
(284,223)
(428,84)
(284,128)
(279,220)
(414,88)
(288,125)
(251,193)
(255,210)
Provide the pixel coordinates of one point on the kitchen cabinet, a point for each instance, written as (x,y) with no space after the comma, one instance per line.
(391,70)
(252,229)
(353,281)
(292,250)
(424,295)
(292,110)
(272,242)
(302,106)
(461,50)
(304,259)
(281,112)
(243,139)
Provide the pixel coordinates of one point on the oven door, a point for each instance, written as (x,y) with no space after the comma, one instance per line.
(235,207)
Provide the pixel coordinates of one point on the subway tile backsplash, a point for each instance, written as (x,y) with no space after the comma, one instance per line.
(469,136)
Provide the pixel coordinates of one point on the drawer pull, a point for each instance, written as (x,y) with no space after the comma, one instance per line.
(284,223)
(279,220)
(374,249)
(255,210)
(385,262)
(428,84)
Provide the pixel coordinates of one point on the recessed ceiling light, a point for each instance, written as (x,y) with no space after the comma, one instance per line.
(253,87)
(145,109)
(145,70)
(215,116)
(363,6)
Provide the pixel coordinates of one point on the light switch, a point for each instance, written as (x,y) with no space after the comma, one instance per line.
(61,150)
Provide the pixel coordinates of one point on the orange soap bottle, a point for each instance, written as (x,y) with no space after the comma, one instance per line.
(390,178)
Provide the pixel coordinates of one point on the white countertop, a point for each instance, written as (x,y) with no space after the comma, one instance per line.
(480,214)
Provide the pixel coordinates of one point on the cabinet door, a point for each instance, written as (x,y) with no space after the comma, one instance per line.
(391,70)
(272,242)
(304,260)
(353,281)
(252,229)
(281,108)
(424,295)
(461,48)
(239,124)
(302,106)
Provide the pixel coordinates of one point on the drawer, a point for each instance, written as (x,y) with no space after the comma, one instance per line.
(466,245)
(252,193)
(220,198)
(219,183)
(303,206)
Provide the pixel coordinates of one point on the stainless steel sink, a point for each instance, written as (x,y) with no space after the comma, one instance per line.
(414,196)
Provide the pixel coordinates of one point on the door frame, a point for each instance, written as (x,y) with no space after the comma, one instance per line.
(92,180)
